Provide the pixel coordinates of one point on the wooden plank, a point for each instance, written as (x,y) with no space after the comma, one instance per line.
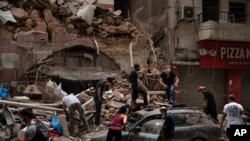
(162,92)
(33,106)
(155,92)
(64,125)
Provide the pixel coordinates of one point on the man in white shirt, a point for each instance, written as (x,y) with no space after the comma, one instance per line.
(72,103)
(233,111)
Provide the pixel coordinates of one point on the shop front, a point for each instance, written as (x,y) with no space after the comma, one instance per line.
(234,58)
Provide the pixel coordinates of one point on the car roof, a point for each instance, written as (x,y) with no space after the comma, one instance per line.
(174,111)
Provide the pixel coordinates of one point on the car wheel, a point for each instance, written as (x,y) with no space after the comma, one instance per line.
(198,139)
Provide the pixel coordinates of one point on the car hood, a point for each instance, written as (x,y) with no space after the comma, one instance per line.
(96,134)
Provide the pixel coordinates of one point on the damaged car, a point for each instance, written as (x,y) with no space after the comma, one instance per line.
(190,125)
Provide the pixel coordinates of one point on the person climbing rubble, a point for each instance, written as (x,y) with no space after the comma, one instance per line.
(72,103)
(101,87)
(169,81)
(133,78)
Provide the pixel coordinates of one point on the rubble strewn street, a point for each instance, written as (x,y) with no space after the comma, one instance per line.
(82,18)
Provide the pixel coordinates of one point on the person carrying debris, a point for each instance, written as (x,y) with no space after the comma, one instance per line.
(209,106)
(133,78)
(168,81)
(34,131)
(168,128)
(120,119)
(72,103)
(101,87)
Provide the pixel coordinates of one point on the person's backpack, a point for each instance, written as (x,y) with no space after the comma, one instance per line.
(41,133)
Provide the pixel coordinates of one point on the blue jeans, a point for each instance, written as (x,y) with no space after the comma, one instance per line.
(170,94)
(98,108)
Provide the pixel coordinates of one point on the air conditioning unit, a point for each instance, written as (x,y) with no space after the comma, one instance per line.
(187,12)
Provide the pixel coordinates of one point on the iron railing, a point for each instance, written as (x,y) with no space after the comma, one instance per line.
(226,17)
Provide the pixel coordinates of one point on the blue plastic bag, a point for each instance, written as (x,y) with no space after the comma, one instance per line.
(4,93)
(56,124)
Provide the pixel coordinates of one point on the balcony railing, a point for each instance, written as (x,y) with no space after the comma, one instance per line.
(225,17)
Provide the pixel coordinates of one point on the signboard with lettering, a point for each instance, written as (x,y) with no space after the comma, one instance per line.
(224,54)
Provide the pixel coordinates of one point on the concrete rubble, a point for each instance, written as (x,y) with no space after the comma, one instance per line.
(76,17)
(54,93)
(48,17)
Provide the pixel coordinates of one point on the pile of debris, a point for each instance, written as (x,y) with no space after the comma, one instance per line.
(120,96)
(80,17)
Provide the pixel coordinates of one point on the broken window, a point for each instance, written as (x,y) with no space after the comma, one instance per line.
(237,12)
(210,10)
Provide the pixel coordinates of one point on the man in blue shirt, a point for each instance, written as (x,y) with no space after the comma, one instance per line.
(168,128)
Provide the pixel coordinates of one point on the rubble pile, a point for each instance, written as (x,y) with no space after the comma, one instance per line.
(114,99)
(83,18)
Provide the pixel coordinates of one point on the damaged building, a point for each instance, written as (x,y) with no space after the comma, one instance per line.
(54,43)
(195,35)
(39,43)
(57,40)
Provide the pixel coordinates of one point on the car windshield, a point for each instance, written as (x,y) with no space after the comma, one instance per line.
(153,124)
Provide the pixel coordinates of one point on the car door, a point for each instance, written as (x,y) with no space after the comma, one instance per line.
(183,129)
(146,131)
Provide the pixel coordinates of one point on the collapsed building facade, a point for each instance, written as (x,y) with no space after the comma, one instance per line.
(55,42)
(192,35)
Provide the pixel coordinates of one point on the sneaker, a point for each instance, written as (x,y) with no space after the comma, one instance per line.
(101,126)
(97,128)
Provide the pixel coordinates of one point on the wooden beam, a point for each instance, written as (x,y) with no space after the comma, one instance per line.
(162,92)
(33,106)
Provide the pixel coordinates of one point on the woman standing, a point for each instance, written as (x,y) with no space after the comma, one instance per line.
(120,119)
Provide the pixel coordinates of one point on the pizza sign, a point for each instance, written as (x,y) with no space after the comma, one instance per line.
(222,54)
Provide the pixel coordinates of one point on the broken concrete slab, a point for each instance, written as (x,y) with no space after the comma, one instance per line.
(32,37)
(19,13)
(6,34)
(35,15)
(41,26)
(115,104)
(47,15)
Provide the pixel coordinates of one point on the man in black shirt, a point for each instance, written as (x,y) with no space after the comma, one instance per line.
(101,86)
(133,78)
(169,80)
(209,106)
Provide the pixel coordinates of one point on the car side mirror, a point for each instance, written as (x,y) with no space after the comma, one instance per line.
(137,129)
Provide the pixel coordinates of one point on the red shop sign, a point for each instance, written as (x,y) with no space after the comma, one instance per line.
(222,54)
